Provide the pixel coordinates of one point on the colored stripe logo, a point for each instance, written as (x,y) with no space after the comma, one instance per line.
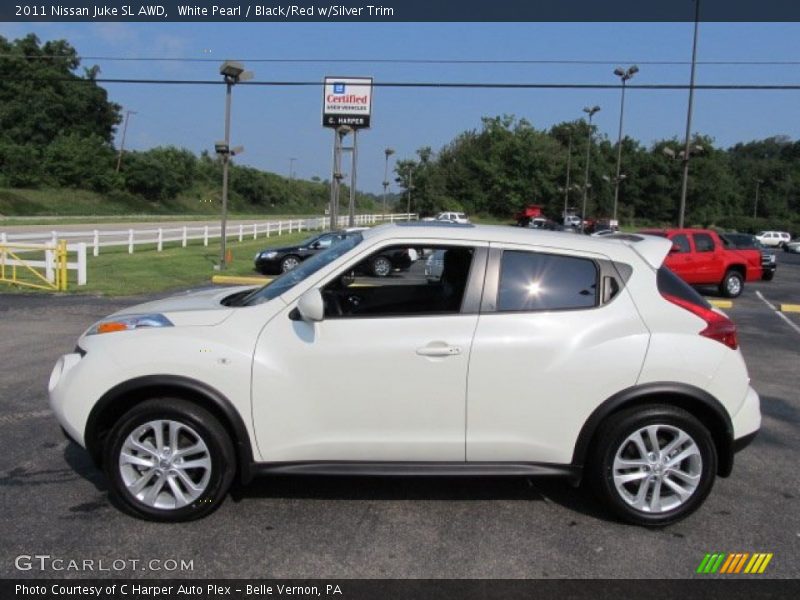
(734,563)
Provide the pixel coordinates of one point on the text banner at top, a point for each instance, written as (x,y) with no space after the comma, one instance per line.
(402,11)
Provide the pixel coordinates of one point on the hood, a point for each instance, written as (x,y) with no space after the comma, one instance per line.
(282,249)
(203,307)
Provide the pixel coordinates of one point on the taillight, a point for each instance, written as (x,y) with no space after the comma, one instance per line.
(718,327)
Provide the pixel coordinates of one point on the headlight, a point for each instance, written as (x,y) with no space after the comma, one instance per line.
(128,323)
(269,255)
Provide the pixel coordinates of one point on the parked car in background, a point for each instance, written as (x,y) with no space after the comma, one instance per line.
(773,239)
(272,261)
(315,374)
(746,241)
(793,246)
(699,257)
(449,217)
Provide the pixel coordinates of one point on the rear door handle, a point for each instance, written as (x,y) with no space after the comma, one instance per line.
(439,349)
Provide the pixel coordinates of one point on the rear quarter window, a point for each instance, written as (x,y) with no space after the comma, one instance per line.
(531,281)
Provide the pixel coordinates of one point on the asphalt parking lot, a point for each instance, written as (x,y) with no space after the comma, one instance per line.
(54,501)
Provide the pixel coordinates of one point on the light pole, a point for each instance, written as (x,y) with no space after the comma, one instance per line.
(566,184)
(616,180)
(624,75)
(291,168)
(590,112)
(687,151)
(232,72)
(408,200)
(755,204)
(387,153)
(128,113)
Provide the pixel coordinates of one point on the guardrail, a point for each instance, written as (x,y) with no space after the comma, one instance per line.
(131,238)
(18,268)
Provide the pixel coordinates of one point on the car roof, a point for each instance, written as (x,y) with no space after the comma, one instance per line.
(650,248)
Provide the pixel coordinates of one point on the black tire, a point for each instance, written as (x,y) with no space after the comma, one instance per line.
(613,434)
(728,287)
(201,422)
(289,262)
(381,266)
(768,275)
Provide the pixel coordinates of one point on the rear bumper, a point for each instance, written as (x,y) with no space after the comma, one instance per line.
(747,420)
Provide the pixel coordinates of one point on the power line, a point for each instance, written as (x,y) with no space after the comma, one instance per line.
(430,84)
(431,61)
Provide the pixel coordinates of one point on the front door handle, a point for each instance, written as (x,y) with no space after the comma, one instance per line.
(439,349)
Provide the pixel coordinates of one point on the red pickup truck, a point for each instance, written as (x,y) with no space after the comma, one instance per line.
(699,257)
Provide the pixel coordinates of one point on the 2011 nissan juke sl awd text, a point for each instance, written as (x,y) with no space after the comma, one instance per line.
(640,388)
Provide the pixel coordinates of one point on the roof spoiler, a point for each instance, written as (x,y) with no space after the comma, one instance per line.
(652,248)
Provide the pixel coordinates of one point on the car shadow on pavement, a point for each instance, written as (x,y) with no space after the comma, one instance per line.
(541,489)
(80,462)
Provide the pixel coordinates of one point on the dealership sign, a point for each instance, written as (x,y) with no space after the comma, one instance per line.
(347,101)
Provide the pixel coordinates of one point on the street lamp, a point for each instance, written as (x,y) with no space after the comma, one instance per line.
(387,153)
(687,152)
(291,168)
(624,75)
(232,72)
(755,204)
(590,112)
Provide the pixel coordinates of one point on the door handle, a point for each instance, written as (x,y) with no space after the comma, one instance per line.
(439,349)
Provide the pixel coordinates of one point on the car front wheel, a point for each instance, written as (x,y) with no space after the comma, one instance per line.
(169,460)
(653,465)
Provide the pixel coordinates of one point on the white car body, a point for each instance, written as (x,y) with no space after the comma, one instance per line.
(773,239)
(360,390)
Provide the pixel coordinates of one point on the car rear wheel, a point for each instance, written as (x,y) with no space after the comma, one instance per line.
(169,460)
(653,465)
(289,262)
(381,266)
(732,284)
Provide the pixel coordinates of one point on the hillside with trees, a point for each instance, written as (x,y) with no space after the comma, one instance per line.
(57,126)
(508,163)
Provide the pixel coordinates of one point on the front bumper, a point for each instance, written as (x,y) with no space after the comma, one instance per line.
(268,266)
(69,415)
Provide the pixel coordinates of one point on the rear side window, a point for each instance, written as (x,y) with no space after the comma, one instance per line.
(531,281)
(703,242)
(682,242)
(670,284)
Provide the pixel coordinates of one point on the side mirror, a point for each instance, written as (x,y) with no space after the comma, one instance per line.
(675,248)
(311,307)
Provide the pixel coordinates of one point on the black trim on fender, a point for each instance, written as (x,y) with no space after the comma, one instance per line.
(652,392)
(416,469)
(241,441)
(743,442)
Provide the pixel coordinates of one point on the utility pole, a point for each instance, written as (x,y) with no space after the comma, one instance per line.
(351,213)
(291,168)
(686,155)
(128,113)
(410,187)
(387,153)
(755,204)
(566,187)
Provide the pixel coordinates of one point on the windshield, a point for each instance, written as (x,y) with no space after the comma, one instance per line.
(291,278)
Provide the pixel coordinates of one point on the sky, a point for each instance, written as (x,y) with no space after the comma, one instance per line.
(276,123)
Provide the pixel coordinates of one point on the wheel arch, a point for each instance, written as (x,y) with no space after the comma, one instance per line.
(699,403)
(121,398)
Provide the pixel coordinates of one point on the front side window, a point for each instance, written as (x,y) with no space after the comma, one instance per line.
(402,280)
(532,281)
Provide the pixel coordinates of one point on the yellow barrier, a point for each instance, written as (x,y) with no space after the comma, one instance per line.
(239,280)
(10,253)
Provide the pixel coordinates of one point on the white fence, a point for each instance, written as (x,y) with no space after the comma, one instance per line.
(131,238)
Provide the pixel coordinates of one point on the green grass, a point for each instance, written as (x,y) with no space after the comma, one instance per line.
(117,273)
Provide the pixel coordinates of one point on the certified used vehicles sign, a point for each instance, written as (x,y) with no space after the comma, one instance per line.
(347,101)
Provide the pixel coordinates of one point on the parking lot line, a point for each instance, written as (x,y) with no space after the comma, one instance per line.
(720,303)
(778,312)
